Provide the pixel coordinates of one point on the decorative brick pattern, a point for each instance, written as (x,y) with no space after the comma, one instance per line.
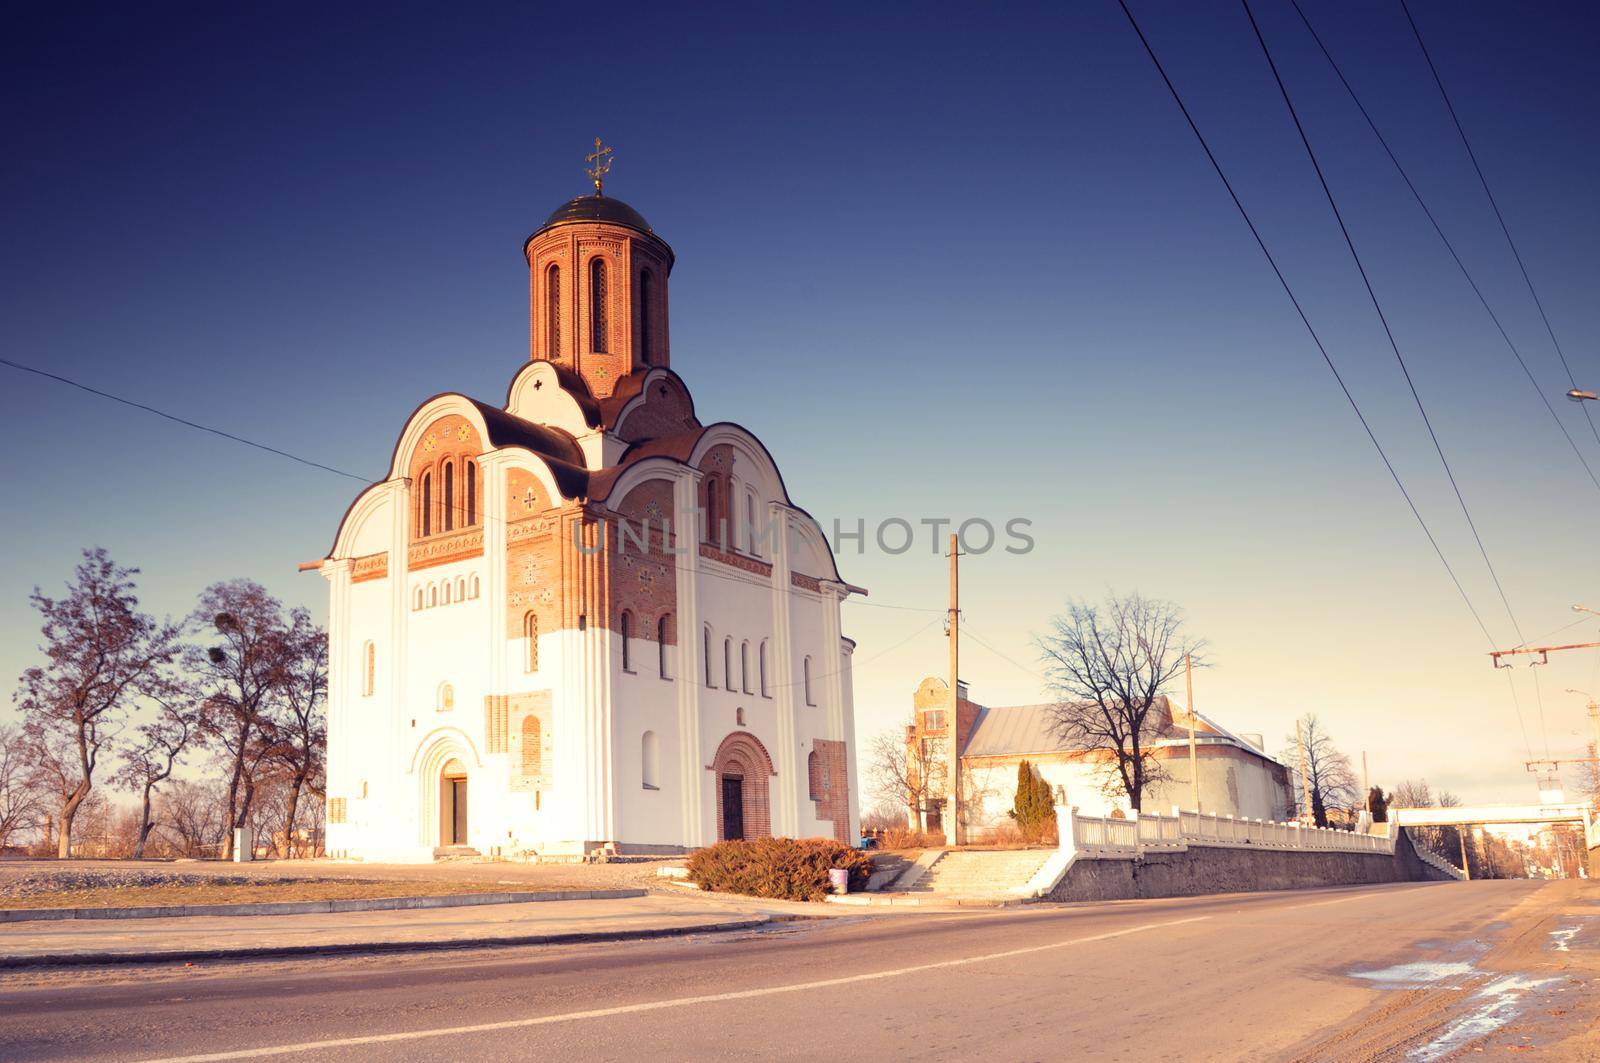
(450,440)
(644,580)
(495,715)
(739,561)
(443,549)
(337,810)
(369,567)
(829,769)
(530,718)
(742,755)
(805,583)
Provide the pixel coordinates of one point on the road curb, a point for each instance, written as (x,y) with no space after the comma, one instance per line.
(352,904)
(79,959)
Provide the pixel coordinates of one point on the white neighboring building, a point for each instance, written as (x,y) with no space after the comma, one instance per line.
(583,620)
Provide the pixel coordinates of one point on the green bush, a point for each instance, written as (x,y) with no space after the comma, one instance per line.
(791,869)
(1033,809)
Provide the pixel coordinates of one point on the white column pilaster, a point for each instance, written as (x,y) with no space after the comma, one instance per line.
(691,759)
(780,660)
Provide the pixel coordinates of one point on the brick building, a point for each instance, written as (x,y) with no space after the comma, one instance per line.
(1237,776)
(582,618)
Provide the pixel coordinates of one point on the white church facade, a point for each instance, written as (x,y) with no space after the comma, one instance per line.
(582,620)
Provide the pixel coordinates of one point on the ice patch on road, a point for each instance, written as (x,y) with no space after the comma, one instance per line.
(1561,940)
(1501,999)
(1424,974)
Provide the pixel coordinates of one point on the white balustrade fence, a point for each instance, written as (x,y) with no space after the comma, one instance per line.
(1142,832)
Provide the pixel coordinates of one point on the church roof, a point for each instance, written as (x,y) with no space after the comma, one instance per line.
(596,208)
(1024,730)
(560,451)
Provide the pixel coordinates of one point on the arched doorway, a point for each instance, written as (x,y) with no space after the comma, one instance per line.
(453,804)
(742,768)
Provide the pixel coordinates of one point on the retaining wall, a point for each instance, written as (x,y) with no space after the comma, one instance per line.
(1217,869)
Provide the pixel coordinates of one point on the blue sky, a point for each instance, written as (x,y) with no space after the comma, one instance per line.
(945,262)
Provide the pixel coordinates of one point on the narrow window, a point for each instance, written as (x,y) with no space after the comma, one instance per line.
(762,663)
(418,604)
(807,668)
(530,637)
(449,521)
(433,595)
(426,521)
(447,697)
(710,681)
(711,509)
(474,586)
(727,663)
(663,632)
(744,667)
(814,776)
(644,317)
(625,624)
(650,760)
(461,588)
(552,312)
(369,668)
(532,755)
(444,598)
(597,305)
(472,493)
(750,525)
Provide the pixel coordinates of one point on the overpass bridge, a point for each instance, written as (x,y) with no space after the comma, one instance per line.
(1460,815)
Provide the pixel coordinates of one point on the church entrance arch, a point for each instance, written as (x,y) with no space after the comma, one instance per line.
(453,804)
(743,772)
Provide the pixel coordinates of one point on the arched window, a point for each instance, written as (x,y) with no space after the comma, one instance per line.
(762,664)
(369,669)
(644,317)
(727,663)
(444,597)
(530,637)
(710,679)
(461,588)
(447,697)
(532,755)
(425,511)
(474,586)
(738,716)
(711,509)
(433,595)
(744,667)
(597,304)
(750,539)
(807,669)
(814,775)
(552,312)
(449,521)
(650,760)
(663,633)
(472,494)
(625,628)
(418,604)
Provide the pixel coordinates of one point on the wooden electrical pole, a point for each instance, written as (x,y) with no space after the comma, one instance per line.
(953,832)
(1305,780)
(1194,760)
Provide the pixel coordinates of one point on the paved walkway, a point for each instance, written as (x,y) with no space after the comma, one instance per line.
(34,943)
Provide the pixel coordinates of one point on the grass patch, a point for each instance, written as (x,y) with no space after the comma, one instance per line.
(264,891)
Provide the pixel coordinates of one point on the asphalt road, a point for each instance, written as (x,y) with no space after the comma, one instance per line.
(1423,971)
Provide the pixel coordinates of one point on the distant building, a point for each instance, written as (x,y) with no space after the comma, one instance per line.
(1237,776)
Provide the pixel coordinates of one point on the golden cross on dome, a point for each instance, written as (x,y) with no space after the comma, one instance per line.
(599,164)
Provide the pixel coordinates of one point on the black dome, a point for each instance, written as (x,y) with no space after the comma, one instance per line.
(597,208)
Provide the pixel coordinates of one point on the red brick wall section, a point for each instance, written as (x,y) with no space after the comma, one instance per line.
(742,754)
(533,563)
(716,525)
(830,785)
(666,410)
(644,581)
(452,439)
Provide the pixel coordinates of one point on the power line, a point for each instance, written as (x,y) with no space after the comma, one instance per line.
(1439,229)
(1372,294)
(1495,205)
(181,420)
(1205,146)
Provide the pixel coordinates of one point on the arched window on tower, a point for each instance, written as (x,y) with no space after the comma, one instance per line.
(597,304)
(644,317)
(449,477)
(530,637)
(472,493)
(650,761)
(663,634)
(625,628)
(552,312)
(425,508)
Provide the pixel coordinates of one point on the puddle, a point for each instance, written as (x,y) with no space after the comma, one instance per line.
(1424,974)
(1497,1004)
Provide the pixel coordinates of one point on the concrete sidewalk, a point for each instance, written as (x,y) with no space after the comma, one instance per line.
(38,944)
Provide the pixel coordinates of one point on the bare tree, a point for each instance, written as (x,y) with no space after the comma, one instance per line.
(21,797)
(299,715)
(909,771)
(99,649)
(240,672)
(195,814)
(1108,666)
(1328,773)
(152,757)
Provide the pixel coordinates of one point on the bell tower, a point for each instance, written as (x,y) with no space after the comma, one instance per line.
(597,287)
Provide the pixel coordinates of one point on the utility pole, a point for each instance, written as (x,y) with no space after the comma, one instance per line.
(1194,764)
(1305,780)
(953,832)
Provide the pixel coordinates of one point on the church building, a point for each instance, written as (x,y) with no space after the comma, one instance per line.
(581,620)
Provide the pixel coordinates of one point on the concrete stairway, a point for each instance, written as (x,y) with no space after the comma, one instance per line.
(981,872)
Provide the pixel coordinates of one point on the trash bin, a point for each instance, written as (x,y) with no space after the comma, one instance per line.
(839,879)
